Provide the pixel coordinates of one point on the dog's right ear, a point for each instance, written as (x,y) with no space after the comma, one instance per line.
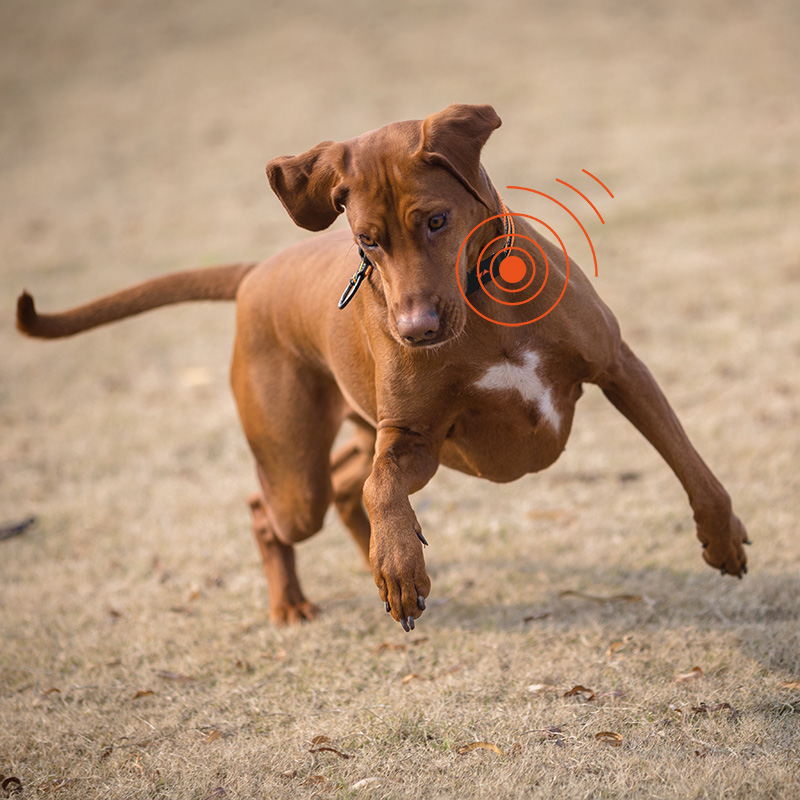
(309,185)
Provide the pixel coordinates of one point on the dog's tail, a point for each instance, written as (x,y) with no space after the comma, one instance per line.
(213,283)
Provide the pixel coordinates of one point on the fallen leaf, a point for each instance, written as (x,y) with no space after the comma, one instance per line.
(468,748)
(320,740)
(278,655)
(389,646)
(398,646)
(313,779)
(328,749)
(143,693)
(703,708)
(543,688)
(695,673)
(540,615)
(609,737)
(195,593)
(791,684)
(213,735)
(10,785)
(413,676)
(366,782)
(582,692)
(45,695)
(11,529)
(166,675)
(611,598)
(57,783)
(614,646)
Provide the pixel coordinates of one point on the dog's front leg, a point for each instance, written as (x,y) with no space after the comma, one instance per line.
(633,390)
(404,462)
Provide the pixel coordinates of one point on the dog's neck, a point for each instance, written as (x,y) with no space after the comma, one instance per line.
(489,265)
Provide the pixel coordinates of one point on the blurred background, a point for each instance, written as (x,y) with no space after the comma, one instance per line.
(133,140)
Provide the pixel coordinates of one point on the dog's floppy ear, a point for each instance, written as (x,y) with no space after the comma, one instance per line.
(454,138)
(307,184)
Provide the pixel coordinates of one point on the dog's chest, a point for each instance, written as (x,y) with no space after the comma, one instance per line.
(521,379)
(515,421)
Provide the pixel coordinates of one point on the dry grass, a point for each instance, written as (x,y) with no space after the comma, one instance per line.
(136,657)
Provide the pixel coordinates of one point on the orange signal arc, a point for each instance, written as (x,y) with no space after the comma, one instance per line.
(580,224)
(599,181)
(558,180)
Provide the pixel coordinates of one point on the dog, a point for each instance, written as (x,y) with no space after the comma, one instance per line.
(421,355)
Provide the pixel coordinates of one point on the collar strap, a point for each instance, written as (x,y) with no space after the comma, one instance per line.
(490,266)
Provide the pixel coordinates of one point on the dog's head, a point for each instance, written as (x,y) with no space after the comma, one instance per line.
(412,191)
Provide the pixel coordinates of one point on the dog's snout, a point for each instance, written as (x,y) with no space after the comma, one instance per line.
(418,326)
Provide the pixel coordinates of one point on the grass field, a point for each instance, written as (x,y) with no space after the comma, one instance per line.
(137,659)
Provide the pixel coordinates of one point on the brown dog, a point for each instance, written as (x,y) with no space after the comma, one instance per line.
(430,374)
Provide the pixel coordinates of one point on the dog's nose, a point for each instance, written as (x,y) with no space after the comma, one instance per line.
(418,326)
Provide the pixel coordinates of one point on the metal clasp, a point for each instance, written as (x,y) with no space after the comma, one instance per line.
(356,280)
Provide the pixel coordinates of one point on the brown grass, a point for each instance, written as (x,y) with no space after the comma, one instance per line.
(136,657)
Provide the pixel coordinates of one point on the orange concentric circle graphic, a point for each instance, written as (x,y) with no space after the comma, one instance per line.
(511,265)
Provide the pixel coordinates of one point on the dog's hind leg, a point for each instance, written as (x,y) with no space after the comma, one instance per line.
(290,415)
(287,601)
(350,468)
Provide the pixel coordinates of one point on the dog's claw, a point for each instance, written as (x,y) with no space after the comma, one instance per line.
(723,571)
(411,623)
(421,603)
(404,623)
(388,607)
(422,538)
(748,541)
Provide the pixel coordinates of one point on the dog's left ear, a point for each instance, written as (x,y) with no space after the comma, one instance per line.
(309,185)
(454,138)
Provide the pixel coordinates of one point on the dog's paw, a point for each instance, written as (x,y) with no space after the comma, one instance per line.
(723,549)
(399,569)
(292,613)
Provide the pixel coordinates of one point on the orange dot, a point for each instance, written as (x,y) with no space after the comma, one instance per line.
(512,269)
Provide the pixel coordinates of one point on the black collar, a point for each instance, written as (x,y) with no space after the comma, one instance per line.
(486,270)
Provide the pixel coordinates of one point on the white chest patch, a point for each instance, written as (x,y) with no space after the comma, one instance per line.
(523,378)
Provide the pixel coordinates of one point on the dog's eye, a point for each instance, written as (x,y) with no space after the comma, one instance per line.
(437,222)
(367,241)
